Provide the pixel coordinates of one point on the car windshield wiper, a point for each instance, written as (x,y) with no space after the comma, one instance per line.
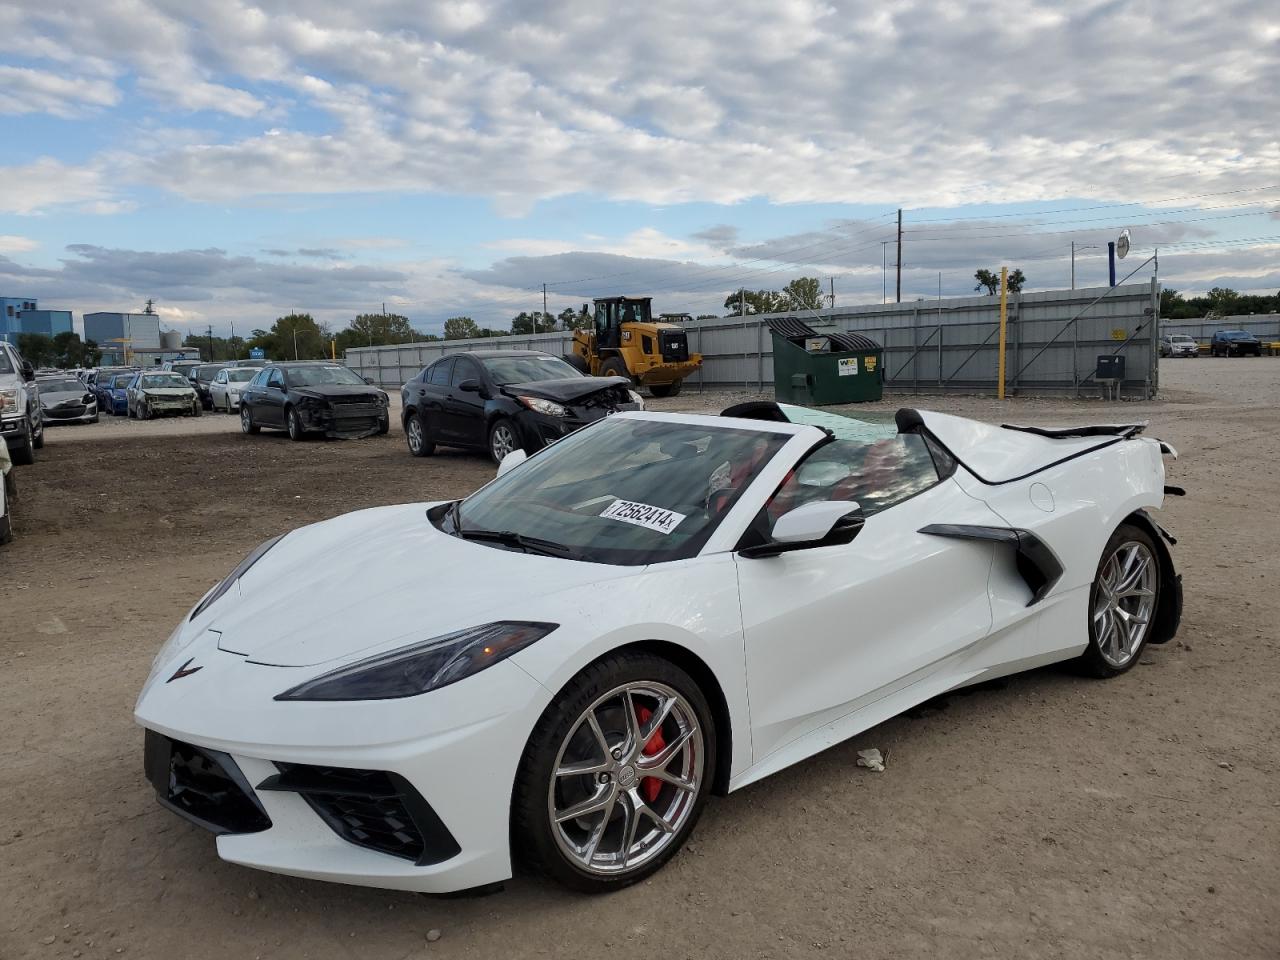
(528,544)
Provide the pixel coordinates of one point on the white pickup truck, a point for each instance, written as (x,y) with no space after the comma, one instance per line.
(21,425)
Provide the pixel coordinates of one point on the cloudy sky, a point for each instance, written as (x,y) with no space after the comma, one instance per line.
(235,160)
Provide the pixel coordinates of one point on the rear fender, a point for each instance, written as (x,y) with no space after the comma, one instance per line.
(1169,606)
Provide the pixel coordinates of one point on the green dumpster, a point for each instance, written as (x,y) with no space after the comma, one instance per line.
(819,369)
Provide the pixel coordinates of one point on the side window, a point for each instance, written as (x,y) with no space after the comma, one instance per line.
(276,379)
(464,368)
(875,475)
(439,372)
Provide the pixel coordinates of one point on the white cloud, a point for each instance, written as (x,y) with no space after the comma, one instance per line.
(33,187)
(9,243)
(24,90)
(911,103)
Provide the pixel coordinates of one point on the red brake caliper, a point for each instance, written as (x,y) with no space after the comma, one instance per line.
(650,787)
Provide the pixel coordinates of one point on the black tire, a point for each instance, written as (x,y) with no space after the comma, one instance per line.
(614,367)
(499,447)
(24,454)
(197,409)
(1094,661)
(578,362)
(532,833)
(246,421)
(384,425)
(229,409)
(144,411)
(666,389)
(293,424)
(417,436)
(6,522)
(37,435)
(95,419)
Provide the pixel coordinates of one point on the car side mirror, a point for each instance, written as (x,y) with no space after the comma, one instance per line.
(470,386)
(823,523)
(511,461)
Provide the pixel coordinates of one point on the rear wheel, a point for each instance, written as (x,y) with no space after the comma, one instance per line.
(415,433)
(1122,602)
(615,775)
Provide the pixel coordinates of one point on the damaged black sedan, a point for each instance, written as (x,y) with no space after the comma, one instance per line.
(313,397)
(504,400)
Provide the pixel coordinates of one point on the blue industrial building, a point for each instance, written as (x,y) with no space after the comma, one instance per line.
(120,335)
(22,315)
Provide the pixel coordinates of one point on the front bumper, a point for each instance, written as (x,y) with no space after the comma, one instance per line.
(346,421)
(79,413)
(11,427)
(538,429)
(449,758)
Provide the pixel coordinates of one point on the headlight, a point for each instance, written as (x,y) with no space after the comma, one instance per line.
(550,408)
(636,399)
(8,399)
(416,669)
(235,575)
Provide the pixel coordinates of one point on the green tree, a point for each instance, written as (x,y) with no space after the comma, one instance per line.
(295,336)
(756,302)
(535,322)
(69,351)
(1222,301)
(220,348)
(377,330)
(460,328)
(990,280)
(36,349)
(804,293)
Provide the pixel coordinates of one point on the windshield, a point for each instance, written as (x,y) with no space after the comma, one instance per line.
(68,385)
(157,380)
(1236,335)
(321,375)
(527,369)
(122,381)
(1182,338)
(241,376)
(625,491)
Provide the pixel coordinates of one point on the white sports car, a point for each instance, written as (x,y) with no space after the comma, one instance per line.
(561,667)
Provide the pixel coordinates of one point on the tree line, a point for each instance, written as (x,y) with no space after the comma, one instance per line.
(62,350)
(1218,302)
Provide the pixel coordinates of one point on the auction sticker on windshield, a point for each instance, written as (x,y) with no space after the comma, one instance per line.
(644,515)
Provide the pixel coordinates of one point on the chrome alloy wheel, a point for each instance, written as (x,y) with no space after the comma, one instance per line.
(626,778)
(1124,602)
(414,430)
(502,441)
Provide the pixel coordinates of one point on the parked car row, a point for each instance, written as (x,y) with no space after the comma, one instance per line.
(1223,343)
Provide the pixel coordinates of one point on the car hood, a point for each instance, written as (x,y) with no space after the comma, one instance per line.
(567,390)
(381,579)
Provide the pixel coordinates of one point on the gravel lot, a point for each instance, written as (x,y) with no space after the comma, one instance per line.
(1043,816)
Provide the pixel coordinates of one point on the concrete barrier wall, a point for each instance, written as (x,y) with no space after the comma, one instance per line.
(1053,341)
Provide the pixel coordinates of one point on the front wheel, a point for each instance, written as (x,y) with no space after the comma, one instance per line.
(246,420)
(502,439)
(1122,602)
(615,775)
(24,454)
(293,423)
(666,389)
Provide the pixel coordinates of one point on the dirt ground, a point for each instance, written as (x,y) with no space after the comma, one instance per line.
(1044,816)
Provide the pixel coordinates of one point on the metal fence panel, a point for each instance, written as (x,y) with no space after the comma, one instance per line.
(1053,341)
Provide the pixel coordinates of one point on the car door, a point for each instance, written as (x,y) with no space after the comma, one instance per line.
(429,394)
(464,410)
(218,390)
(829,630)
(269,409)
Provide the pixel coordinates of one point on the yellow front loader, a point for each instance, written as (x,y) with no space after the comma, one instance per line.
(625,341)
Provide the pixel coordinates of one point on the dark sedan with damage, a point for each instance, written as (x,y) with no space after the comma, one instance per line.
(312,397)
(502,400)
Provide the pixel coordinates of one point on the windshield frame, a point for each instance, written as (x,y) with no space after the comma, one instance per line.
(796,441)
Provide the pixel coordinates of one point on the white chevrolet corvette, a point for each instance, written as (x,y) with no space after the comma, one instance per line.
(558,669)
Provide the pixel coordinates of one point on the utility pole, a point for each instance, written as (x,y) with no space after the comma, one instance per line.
(231,344)
(1073,264)
(884,271)
(742,301)
(833,291)
(544,307)
(211,356)
(899,255)
(295,341)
